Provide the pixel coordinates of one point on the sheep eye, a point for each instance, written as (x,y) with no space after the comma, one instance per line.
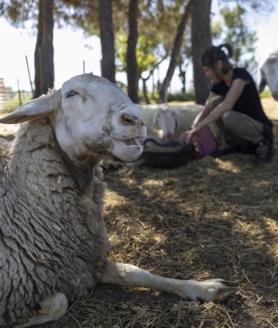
(71,94)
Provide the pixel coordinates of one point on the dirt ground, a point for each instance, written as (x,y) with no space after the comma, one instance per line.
(210,218)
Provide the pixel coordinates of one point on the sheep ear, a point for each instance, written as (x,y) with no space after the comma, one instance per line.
(35,109)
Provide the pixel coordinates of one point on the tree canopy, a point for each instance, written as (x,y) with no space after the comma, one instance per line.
(157,24)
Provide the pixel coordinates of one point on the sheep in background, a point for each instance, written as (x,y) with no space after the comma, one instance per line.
(149,117)
(54,245)
(168,122)
(159,121)
(269,72)
(187,114)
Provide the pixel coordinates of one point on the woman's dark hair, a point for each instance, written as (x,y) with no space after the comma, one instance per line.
(212,54)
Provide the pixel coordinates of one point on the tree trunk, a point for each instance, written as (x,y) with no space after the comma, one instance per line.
(175,52)
(201,39)
(151,74)
(44,64)
(145,91)
(131,61)
(107,39)
(182,75)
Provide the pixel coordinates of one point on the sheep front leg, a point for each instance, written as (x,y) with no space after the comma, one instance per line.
(207,290)
(51,309)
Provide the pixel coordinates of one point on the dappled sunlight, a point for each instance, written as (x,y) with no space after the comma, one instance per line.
(211,218)
(152,183)
(257,230)
(114,198)
(271,108)
(227,166)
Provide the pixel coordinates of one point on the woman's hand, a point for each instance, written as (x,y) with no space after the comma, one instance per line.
(186,137)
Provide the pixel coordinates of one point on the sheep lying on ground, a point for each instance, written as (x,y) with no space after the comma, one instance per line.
(172,121)
(53,241)
(269,72)
(185,116)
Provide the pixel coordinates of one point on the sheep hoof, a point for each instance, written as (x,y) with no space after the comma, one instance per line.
(216,290)
(52,308)
(211,290)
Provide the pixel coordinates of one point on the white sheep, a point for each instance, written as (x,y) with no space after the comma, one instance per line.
(269,75)
(54,245)
(149,115)
(186,115)
(171,121)
(166,122)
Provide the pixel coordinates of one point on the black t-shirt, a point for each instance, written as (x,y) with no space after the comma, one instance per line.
(249,102)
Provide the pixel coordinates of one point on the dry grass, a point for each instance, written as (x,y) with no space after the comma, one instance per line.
(211,218)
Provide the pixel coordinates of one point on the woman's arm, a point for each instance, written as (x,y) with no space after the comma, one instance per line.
(204,113)
(226,105)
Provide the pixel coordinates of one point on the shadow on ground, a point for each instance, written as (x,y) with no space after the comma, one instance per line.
(211,218)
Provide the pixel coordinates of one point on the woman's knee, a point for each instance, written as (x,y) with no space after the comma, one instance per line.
(230,119)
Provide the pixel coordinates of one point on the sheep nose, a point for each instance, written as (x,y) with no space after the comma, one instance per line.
(128,119)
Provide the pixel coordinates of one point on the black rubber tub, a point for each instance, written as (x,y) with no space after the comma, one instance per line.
(158,154)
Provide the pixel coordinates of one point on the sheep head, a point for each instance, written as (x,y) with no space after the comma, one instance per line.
(269,75)
(91,117)
(166,121)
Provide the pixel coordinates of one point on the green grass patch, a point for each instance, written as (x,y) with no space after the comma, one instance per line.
(265,94)
(13,103)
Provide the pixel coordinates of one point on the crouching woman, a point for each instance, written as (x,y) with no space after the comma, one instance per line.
(234,105)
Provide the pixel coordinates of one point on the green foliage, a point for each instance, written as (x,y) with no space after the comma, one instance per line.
(179,96)
(216,29)
(145,53)
(236,32)
(265,94)
(157,25)
(73,12)
(146,57)
(120,49)
(18,12)
(153,97)
(255,5)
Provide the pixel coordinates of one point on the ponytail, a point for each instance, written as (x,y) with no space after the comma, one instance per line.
(229,49)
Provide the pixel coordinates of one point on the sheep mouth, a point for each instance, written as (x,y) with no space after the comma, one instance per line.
(135,141)
(127,149)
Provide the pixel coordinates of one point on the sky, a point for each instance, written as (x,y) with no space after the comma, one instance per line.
(71,48)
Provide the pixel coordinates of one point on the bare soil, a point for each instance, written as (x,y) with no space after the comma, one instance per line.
(210,218)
